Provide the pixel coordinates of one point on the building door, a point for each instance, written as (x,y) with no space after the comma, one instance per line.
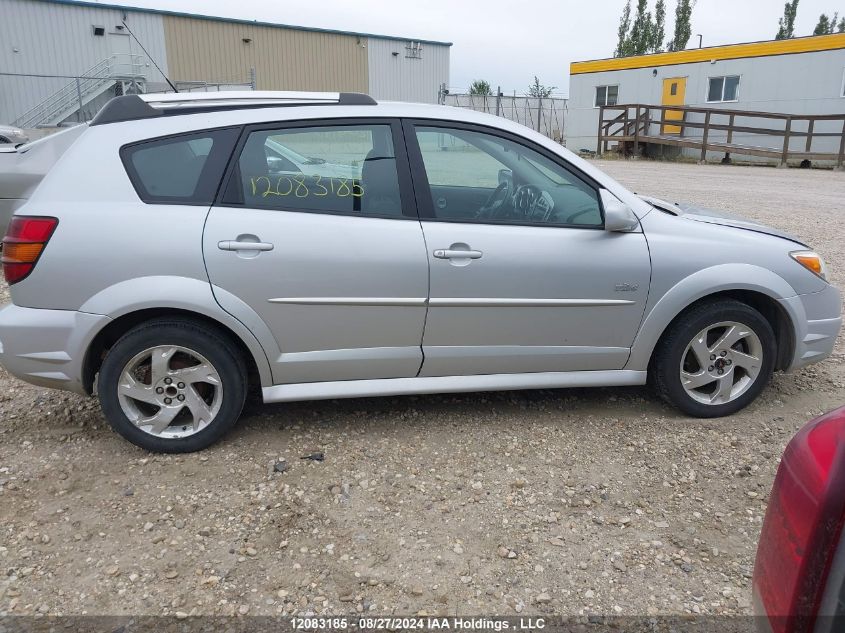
(674,93)
(120,48)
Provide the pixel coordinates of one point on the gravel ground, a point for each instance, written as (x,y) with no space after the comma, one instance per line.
(570,502)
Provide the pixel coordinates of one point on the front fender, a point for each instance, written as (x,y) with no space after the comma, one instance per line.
(703,283)
(192,295)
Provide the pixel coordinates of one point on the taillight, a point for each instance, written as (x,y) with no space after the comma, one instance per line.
(25,240)
(802,526)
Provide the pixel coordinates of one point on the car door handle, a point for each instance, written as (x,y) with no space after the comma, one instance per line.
(237,245)
(448,253)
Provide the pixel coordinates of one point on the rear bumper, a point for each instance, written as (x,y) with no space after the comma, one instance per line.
(47,347)
(817,318)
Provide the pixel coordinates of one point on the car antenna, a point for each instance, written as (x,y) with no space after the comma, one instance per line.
(150,57)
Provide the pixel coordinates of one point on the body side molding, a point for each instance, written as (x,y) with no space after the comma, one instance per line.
(450,384)
(456,302)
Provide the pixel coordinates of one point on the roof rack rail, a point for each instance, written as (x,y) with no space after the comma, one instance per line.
(146,106)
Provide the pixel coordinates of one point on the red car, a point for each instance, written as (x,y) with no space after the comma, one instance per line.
(799,575)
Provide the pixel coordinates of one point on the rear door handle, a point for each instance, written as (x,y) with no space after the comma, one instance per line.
(237,245)
(448,253)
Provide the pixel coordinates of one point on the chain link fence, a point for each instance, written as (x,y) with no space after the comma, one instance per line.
(546,115)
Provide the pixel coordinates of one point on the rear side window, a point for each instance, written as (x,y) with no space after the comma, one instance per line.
(340,169)
(184,169)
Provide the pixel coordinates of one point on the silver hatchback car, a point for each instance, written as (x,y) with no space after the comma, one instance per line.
(175,254)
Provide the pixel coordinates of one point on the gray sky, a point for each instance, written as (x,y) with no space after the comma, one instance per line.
(507,42)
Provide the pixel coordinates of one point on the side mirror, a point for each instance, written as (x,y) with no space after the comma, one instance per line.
(618,216)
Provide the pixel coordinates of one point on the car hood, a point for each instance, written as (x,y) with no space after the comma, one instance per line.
(711,216)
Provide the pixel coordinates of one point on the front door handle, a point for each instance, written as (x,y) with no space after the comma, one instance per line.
(238,245)
(448,253)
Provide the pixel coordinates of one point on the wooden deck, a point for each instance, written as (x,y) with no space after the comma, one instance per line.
(631,127)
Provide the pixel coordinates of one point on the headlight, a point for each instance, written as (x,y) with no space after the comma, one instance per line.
(812,261)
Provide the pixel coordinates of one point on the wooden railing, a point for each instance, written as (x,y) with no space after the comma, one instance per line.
(639,124)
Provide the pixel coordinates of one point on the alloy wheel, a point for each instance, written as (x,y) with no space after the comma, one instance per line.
(170,391)
(721,363)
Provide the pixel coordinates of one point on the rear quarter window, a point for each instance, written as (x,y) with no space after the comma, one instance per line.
(183,169)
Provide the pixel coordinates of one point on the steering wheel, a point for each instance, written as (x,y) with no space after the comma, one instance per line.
(525,199)
(494,202)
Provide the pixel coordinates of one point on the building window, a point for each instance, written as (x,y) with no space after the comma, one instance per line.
(842,92)
(723,89)
(413,50)
(607,95)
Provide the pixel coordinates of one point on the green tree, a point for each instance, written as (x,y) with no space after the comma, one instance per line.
(623,43)
(480,87)
(826,25)
(641,29)
(645,33)
(823,25)
(683,25)
(786,24)
(658,29)
(539,90)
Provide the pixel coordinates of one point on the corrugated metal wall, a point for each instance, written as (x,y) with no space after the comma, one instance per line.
(44,38)
(284,59)
(399,78)
(803,83)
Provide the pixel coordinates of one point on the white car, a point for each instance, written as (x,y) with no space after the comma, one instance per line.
(178,254)
(12,135)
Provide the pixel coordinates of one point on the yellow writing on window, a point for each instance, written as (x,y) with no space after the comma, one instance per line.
(302,186)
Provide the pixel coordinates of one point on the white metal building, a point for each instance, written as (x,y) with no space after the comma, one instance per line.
(801,76)
(58,54)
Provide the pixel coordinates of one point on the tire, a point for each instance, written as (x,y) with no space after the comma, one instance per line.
(746,366)
(198,372)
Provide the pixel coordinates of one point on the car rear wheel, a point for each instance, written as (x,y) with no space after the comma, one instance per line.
(172,386)
(715,359)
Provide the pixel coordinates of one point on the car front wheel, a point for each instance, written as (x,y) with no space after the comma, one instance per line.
(172,386)
(715,360)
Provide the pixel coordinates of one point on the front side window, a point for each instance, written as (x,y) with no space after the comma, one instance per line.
(723,89)
(479,177)
(183,169)
(607,95)
(348,169)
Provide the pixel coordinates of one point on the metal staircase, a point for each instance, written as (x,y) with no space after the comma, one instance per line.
(124,71)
